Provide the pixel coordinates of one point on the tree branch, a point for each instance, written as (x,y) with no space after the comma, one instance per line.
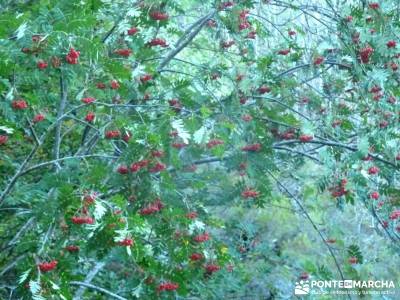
(99,289)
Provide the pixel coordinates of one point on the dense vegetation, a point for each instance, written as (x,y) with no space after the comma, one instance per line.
(182,149)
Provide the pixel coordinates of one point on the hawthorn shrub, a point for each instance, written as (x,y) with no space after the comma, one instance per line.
(130,128)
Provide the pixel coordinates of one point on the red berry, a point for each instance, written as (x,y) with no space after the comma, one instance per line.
(101,86)
(167,286)
(158,16)
(263,89)
(158,42)
(305,138)
(47,266)
(373,5)
(373,170)
(19,104)
(318,60)
(374,195)
(191,215)
(126,242)
(284,52)
(115,84)
(365,54)
(157,168)
(250,193)
(3,139)
(41,64)
(201,238)
(211,268)
(123,170)
(196,256)
(72,56)
(88,100)
(391,44)
(353,260)
(252,148)
(90,117)
(38,118)
(132,31)
(146,78)
(72,248)
(123,52)
(214,142)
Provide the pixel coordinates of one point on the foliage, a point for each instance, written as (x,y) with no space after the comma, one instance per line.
(184,150)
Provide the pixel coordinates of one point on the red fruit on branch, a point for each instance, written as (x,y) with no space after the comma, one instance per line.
(158,16)
(353,260)
(318,60)
(154,207)
(304,138)
(373,170)
(374,195)
(373,5)
(3,139)
(263,89)
(167,286)
(395,215)
(79,220)
(145,78)
(212,268)
(304,276)
(72,248)
(250,193)
(158,167)
(115,84)
(201,238)
(227,44)
(291,33)
(123,52)
(398,156)
(100,86)
(252,148)
(41,64)
(112,134)
(191,215)
(226,4)
(126,242)
(375,89)
(284,52)
(365,54)
(175,104)
(126,137)
(19,104)
(158,42)
(179,145)
(244,25)
(88,100)
(132,31)
(391,44)
(47,266)
(123,170)
(252,35)
(72,56)
(349,19)
(196,257)
(90,116)
(38,118)
(211,23)
(213,143)
(247,118)
(157,153)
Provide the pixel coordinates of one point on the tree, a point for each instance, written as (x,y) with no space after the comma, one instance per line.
(128,125)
